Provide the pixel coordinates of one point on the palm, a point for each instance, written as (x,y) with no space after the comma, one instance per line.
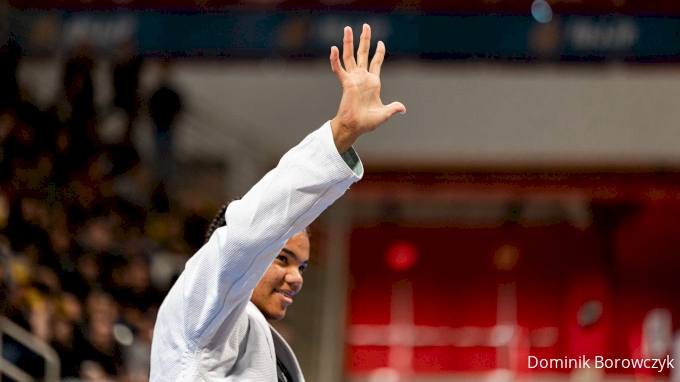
(361,110)
(361,105)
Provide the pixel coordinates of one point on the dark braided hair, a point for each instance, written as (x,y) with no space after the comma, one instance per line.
(220,221)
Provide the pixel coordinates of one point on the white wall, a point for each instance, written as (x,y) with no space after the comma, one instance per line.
(464,114)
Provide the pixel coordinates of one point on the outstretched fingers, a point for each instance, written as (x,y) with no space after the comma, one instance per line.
(348,50)
(335,64)
(364,47)
(378,58)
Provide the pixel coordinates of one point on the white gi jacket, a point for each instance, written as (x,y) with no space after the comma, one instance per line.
(207,329)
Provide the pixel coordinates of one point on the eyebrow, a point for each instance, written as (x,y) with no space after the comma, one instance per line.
(291,253)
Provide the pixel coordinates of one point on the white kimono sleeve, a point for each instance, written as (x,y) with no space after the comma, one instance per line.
(224,272)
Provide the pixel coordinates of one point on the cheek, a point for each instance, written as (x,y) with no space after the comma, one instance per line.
(271,279)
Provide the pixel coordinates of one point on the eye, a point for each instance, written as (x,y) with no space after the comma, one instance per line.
(302,268)
(282,258)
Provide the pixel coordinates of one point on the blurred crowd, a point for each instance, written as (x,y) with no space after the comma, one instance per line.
(91,236)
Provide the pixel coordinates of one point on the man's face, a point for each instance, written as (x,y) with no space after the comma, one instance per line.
(283,279)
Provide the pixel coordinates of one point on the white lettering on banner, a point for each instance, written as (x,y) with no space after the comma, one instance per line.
(326,27)
(585,34)
(105,33)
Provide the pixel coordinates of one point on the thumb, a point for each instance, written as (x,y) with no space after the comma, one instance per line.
(395,107)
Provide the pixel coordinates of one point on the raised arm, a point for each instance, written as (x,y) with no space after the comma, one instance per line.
(213,290)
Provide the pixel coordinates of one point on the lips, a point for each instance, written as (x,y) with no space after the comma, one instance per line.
(287,296)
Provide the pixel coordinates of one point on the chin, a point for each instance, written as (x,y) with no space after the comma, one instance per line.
(273,314)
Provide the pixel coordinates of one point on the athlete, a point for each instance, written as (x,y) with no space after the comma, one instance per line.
(213,326)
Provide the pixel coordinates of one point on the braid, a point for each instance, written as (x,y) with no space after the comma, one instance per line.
(218,221)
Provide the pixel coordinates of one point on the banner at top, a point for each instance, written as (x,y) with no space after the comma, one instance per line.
(310,34)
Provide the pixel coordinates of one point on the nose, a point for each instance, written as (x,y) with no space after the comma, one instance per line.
(294,279)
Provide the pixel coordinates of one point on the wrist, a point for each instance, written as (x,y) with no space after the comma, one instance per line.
(342,136)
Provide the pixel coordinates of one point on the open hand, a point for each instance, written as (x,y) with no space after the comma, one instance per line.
(361,110)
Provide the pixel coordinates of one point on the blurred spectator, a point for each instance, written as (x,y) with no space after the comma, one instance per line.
(98,344)
(86,189)
(137,356)
(79,89)
(26,229)
(77,140)
(133,285)
(27,136)
(10,53)
(70,308)
(80,232)
(63,343)
(99,304)
(92,371)
(126,97)
(87,278)
(40,315)
(95,341)
(46,281)
(164,106)
(62,244)
(126,84)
